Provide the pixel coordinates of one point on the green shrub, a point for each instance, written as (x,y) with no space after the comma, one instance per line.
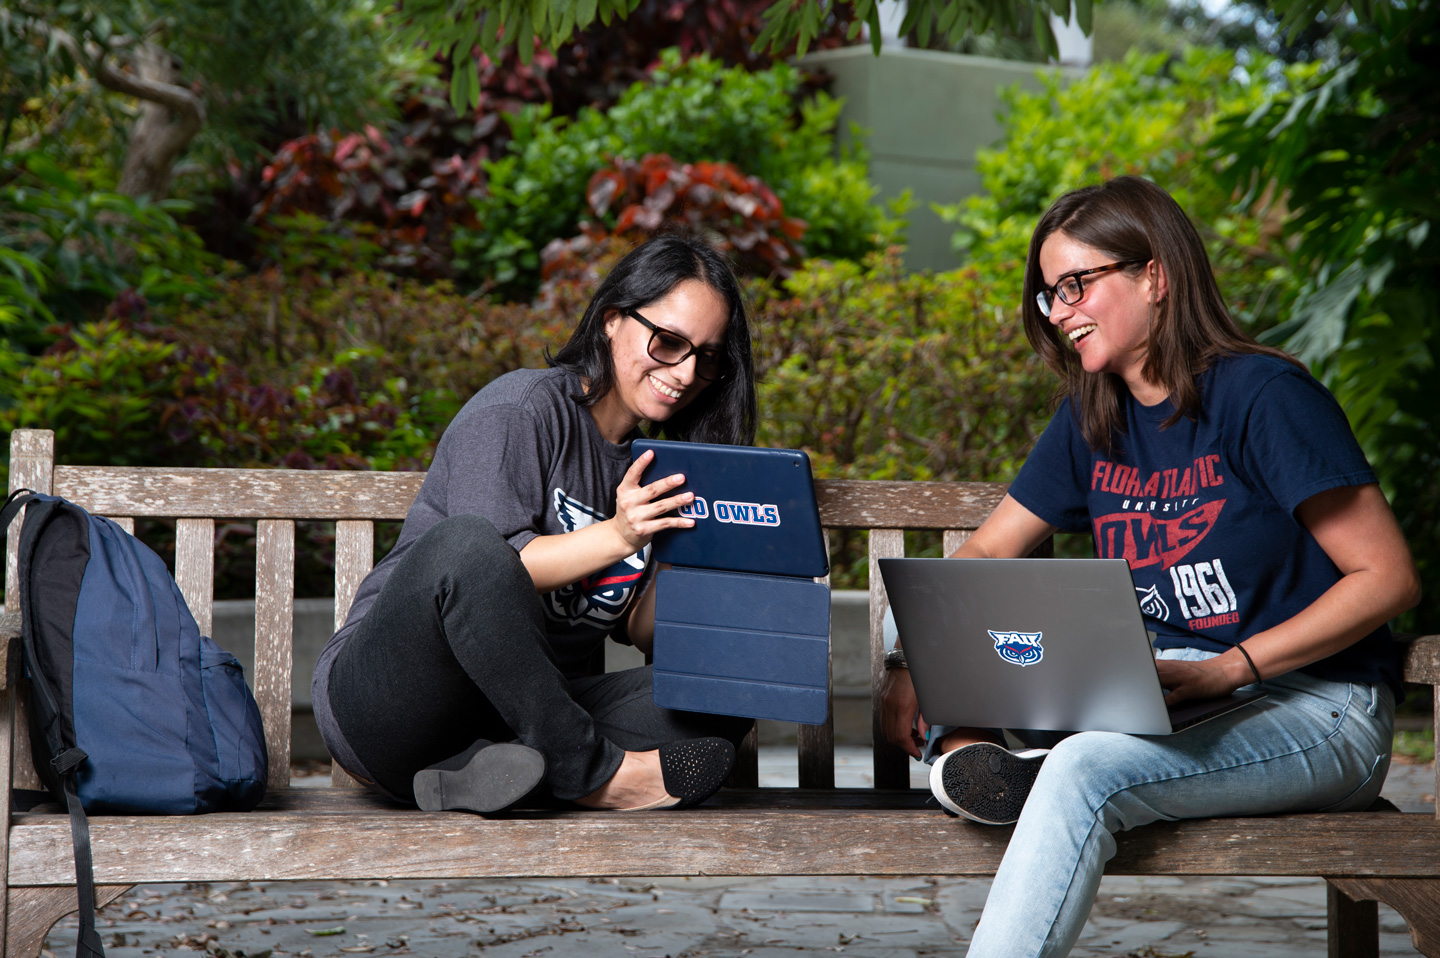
(110,392)
(68,250)
(423,344)
(883,374)
(1146,115)
(695,110)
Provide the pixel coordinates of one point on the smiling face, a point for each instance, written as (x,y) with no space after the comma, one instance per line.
(1110,325)
(644,389)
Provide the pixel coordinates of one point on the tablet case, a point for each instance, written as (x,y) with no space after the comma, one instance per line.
(739,644)
(732,637)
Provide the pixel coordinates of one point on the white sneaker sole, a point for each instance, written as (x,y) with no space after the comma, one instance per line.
(984,782)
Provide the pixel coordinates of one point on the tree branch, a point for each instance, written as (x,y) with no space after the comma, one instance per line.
(172,96)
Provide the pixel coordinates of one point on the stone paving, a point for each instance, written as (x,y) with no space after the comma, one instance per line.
(759,917)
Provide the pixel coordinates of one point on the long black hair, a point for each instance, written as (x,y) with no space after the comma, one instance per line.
(725,411)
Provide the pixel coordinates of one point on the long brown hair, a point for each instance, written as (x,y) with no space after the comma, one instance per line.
(1130,218)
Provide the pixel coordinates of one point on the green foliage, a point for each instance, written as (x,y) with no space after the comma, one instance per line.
(108,391)
(411,354)
(1415,745)
(1349,163)
(227,72)
(67,250)
(695,110)
(883,374)
(1146,115)
(494,25)
(454,29)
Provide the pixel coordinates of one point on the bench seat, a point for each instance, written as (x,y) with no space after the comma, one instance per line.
(342,832)
(302,834)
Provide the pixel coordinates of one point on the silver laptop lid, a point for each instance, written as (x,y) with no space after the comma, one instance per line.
(1027,643)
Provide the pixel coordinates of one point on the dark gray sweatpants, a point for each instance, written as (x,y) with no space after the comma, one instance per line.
(454,650)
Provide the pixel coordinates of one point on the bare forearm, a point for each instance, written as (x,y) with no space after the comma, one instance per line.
(557,561)
(1377,581)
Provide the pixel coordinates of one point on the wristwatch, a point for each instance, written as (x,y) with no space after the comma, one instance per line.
(895,659)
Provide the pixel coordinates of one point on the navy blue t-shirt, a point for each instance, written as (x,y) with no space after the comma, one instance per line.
(1204,511)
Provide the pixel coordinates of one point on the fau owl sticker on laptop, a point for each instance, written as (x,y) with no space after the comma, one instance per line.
(1019,648)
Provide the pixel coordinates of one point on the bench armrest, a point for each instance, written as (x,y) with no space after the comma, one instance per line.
(1422,659)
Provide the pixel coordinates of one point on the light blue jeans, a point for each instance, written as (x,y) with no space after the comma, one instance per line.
(1311,745)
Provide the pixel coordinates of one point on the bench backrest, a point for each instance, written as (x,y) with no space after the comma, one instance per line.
(275,499)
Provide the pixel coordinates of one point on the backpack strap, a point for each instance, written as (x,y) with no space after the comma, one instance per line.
(13,505)
(87,945)
(65,763)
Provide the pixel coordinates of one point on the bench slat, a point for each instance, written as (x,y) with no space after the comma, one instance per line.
(195,568)
(275,639)
(892,766)
(327,495)
(238,493)
(368,841)
(354,557)
(32,453)
(954,539)
(816,743)
(876,504)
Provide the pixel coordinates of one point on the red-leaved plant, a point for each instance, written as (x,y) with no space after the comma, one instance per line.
(632,200)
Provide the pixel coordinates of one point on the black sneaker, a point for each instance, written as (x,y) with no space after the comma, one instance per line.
(486,778)
(985,782)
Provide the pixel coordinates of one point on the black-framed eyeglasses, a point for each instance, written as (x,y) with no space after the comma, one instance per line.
(1071,290)
(672,349)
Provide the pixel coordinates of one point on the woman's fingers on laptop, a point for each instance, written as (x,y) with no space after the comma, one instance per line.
(1184,681)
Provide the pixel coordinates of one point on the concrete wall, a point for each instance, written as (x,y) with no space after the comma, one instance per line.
(924,115)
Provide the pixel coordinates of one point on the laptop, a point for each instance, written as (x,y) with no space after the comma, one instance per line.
(1051,644)
(754,509)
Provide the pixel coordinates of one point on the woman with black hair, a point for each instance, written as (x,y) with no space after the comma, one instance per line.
(1260,544)
(469,669)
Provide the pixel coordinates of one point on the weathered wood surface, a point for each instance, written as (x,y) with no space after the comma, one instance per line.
(9,643)
(323,495)
(275,639)
(32,454)
(874,504)
(1416,899)
(238,493)
(345,833)
(892,766)
(815,744)
(195,568)
(354,558)
(34,910)
(1353,927)
(364,840)
(1422,660)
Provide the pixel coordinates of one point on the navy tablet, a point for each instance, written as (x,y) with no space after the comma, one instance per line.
(754,509)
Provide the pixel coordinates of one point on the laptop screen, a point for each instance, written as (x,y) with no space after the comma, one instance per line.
(754,509)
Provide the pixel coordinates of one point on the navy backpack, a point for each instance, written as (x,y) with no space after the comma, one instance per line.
(132,710)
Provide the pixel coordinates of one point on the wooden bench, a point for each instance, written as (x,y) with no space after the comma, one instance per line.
(345,833)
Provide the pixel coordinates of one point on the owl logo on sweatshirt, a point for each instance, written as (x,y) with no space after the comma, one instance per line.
(601,598)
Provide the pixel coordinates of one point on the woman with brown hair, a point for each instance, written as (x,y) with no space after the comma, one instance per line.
(1230,481)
